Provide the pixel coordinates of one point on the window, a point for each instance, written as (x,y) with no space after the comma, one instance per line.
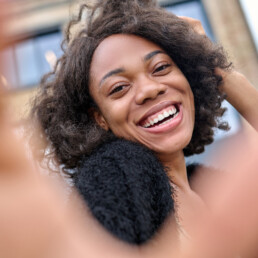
(24,63)
(27,61)
(193,9)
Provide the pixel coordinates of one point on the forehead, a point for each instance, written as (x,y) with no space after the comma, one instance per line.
(119,49)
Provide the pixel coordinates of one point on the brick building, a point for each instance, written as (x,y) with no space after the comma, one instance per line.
(34,30)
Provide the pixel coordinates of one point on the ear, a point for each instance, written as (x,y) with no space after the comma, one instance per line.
(99,118)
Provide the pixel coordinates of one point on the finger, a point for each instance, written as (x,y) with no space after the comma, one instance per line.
(196,24)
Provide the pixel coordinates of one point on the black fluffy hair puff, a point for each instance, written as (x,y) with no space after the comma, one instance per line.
(126,189)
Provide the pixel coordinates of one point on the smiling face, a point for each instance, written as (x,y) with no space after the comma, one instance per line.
(141,94)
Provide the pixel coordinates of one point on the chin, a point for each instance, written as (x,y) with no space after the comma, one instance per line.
(171,146)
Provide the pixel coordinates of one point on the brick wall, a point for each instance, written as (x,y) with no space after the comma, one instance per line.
(230,28)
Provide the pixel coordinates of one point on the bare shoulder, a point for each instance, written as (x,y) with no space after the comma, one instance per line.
(202,178)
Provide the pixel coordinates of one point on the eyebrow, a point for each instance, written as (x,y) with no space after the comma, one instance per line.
(152,54)
(121,70)
(111,73)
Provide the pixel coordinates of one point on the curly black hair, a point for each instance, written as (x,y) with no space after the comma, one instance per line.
(130,199)
(63,103)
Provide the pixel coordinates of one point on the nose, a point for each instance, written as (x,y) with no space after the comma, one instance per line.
(148,89)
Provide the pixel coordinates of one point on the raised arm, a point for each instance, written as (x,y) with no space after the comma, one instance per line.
(242,95)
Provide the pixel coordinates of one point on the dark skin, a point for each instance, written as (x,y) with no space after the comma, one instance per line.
(136,77)
(59,232)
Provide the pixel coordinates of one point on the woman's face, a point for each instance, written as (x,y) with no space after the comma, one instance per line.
(141,94)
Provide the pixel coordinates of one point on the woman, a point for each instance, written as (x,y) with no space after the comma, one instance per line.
(145,75)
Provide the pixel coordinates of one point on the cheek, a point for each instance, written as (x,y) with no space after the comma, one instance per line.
(191,101)
(190,111)
(191,117)
(116,115)
(192,107)
(112,112)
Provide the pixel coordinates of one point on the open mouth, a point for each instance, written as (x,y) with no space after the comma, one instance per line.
(162,117)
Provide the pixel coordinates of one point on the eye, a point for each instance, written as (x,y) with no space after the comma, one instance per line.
(118,89)
(161,68)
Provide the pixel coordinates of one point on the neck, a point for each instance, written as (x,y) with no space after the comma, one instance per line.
(176,169)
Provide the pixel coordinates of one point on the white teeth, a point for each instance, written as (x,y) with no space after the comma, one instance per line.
(147,125)
(162,116)
(166,114)
(172,111)
(175,115)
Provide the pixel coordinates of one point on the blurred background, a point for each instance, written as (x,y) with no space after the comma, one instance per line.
(33,33)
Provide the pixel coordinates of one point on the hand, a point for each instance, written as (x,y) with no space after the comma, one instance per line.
(35,222)
(241,94)
(196,24)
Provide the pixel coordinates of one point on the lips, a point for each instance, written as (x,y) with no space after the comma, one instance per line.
(160,114)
